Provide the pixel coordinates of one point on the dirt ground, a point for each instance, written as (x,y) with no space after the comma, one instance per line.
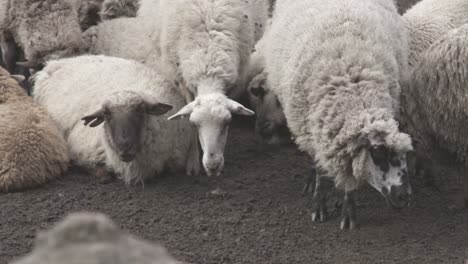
(263,218)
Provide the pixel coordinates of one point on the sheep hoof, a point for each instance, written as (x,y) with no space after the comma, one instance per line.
(103,175)
(193,167)
(348,213)
(461,202)
(319,214)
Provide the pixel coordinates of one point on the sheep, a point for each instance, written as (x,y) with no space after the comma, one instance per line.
(92,238)
(205,47)
(336,67)
(437,105)
(44,29)
(125,37)
(118,8)
(32,151)
(133,143)
(270,123)
(429,20)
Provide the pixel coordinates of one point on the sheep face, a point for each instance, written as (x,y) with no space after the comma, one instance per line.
(118,8)
(211,114)
(382,163)
(125,116)
(270,123)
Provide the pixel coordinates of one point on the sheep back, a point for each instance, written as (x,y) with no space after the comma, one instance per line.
(429,20)
(437,101)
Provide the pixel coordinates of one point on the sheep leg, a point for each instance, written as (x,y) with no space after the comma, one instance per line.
(461,201)
(348,212)
(193,160)
(308,185)
(322,188)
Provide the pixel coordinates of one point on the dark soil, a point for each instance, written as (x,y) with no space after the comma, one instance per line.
(263,218)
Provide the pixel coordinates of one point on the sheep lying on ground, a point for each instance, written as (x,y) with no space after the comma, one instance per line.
(336,67)
(92,238)
(429,20)
(437,104)
(124,95)
(32,151)
(205,46)
(44,29)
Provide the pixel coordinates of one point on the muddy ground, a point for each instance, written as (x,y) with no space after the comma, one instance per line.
(263,218)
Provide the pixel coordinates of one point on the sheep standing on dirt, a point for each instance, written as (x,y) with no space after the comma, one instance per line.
(93,238)
(32,151)
(336,67)
(429,20)
(44,29)
(124,95)
(270,122)
(205,46)
(437,103)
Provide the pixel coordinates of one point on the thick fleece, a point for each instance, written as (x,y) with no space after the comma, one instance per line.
(210,41)
(73,88)
(92,238)
(32,150)
(44,29)
(336,67)
(429,20)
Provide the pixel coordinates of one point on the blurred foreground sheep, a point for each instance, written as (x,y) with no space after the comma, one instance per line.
(92,238)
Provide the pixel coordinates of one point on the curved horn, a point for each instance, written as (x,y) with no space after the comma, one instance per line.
(18,77)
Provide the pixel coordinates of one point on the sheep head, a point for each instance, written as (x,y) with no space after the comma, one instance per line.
(381,160)
(211,114)
(270,123)
(125,117)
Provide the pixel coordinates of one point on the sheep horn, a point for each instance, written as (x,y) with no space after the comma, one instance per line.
(18,77)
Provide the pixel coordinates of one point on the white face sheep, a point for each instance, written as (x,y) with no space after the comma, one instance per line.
(92,238)
(32,150)
(336,68)
(134,142)
(205,47)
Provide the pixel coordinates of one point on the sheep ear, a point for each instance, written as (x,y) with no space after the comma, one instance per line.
(185,111)
(19,78)
(94,119)
(157,108)
(239,109)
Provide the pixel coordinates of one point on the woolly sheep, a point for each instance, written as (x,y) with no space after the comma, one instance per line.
(32,151)
(437,103)
(429,20)
(133,145)
(92,238)
(205,46)
(44,29)
(125,37)
(270,122)
(336,67)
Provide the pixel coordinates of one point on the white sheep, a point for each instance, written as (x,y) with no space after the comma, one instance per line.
(44,29)
(32,150)
(429,20)
(125,37)
(92,238)
(437,103)
(205,46)
(336,67)
(133,143)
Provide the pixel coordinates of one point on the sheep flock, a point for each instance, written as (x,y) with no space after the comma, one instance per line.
(131,90)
